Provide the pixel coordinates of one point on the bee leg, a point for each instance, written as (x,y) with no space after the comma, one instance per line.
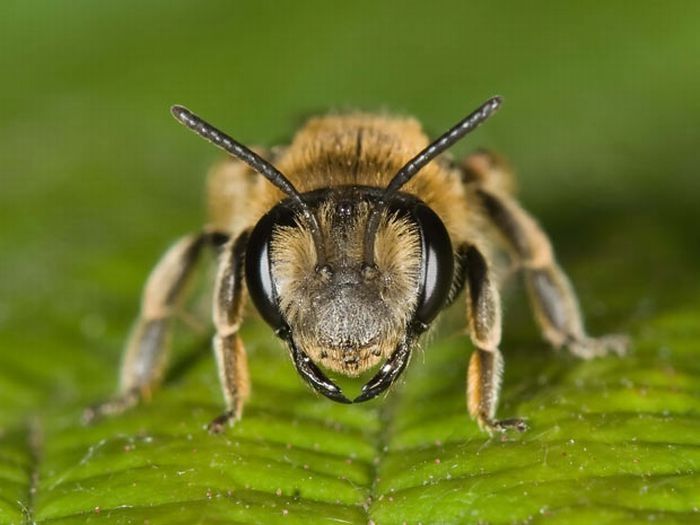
(551,294)
(146,349)
(486,363)
(228,347)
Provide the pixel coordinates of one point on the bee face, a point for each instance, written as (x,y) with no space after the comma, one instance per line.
(346,315)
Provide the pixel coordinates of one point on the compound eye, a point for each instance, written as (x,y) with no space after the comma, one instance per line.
(437,265)
(261,287)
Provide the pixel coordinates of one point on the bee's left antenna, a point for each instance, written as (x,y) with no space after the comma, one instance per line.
(257,163)
(413,166)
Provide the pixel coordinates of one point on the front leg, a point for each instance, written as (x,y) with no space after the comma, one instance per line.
(228,347)
(486,363)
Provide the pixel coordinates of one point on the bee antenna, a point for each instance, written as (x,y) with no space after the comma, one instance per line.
(223,141)
(413,166)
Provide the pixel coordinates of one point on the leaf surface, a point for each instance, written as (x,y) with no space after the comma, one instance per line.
(97,179)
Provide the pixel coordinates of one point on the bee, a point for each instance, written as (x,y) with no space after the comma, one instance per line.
(350,241)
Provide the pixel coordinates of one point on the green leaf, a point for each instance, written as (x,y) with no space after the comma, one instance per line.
(97,179)
(610,440)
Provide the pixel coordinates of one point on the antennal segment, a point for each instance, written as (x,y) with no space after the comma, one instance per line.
(413,166)
(220,139)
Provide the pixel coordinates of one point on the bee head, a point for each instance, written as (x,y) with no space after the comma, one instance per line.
(349,275)
(344,314)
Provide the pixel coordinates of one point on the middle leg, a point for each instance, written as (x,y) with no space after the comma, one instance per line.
(551,294)
(146,351)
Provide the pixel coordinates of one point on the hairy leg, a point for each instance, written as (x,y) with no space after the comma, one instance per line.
(551,294)
(146,349)
(228,347)
(486,363)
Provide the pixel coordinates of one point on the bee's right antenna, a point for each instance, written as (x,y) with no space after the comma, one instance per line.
(229,145)
(413,166)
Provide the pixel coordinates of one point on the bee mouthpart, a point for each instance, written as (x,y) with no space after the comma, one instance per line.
(314,376)
(387,373)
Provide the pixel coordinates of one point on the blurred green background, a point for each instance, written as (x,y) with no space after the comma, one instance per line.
(601,119)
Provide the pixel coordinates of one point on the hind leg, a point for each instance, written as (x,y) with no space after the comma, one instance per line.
(551,294)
